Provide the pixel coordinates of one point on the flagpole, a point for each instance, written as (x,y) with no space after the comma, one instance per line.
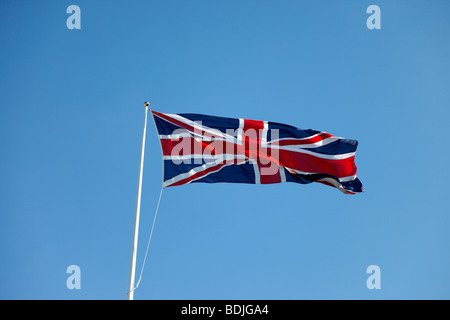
(132,274)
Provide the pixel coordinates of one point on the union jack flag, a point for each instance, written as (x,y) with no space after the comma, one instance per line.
(202,148)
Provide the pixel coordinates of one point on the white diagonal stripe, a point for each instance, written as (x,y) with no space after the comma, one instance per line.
(197,170)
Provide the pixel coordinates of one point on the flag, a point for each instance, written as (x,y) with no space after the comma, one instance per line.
(202,148)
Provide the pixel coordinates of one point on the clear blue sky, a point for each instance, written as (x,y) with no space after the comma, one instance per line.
(71,112)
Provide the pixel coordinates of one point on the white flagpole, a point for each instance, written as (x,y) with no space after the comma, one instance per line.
(130,292)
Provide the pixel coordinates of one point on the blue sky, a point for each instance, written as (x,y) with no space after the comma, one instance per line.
(71,112)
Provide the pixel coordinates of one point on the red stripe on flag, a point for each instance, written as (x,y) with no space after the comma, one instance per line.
(199,174)
(308,163)
(299,141)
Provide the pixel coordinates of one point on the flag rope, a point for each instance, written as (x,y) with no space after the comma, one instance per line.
(149,240)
